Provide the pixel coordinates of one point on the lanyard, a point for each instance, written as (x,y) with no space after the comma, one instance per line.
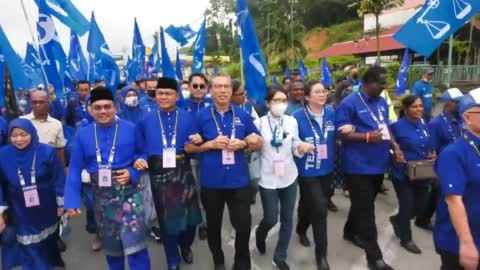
(450,129)
(97,147)
(317,137)
(218,126)
(472,143)
(275,136)
(370,111)
(162,129)
(32,173)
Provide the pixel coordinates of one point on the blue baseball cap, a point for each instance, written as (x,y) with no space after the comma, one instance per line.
(452,94)
(470,100)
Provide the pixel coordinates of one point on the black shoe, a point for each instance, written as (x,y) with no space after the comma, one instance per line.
(261,245)
(379,264)
(396,228)
(354,239)
(174,268)
(304,241)
(202,232)
(62,247)
(240,267)
(281,265)
(410,246)
(331,206)
(323,264)
(219,267)
(187,255)
(155,234)
(424,225)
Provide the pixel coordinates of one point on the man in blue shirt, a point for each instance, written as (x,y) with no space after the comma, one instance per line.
(444,130)
(362,121)
(227,131)
(457,228)
(148,102)
(76,109)
(424,89)
(296,97)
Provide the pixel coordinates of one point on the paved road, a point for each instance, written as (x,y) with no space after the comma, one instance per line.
(342,255)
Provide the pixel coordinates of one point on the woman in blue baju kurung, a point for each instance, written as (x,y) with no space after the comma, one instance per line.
(31,189)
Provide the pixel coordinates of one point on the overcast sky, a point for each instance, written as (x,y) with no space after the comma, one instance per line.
(115,18)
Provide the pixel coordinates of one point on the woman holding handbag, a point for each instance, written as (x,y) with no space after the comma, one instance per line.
(413,138)
(278,173)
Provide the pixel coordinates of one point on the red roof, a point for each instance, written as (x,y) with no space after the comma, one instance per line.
(363,46)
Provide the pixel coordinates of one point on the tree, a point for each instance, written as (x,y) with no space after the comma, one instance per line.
(375,7)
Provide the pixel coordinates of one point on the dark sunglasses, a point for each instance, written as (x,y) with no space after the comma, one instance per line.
(198,86)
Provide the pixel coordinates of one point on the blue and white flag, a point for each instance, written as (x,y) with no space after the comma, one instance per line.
(77,66)
(53,58)
(168,70)
(102,64)
(436,20)
(401,84)
(326,75)
(180,34)
(13,61)
(275,80)
(137,68)
(253,62)
(31,67)
(303,71)
(126,70)
(199,47)
(154,60)
(178,67)
(67,13)
(2,79)
(287,73)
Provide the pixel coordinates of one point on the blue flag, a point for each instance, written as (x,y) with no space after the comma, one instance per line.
(167,68)
(326,75)
(154,60)
(126,70)
(31,67)
(303,71)
(137,68)
(401,84)
(67,13)
(199,49)
(53,58)
(2,79)
(77,66)
(180,34)
(435,21)
(178,68)
(102,64)
(275,80)
(253,63)
(13,61)
(287,73)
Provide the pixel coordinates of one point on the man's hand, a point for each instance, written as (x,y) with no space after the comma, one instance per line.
(60,211)
(304,147)
(220,143)
(235,145)
(254,141)
(2,223)
(196,139)
(375,136)
(398,155)
(468,255)
(140,164)
(73,212)
(122,176)
(432,156)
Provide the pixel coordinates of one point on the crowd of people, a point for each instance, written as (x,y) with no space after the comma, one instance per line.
(143,164)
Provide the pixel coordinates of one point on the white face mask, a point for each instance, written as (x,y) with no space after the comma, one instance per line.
(278,109)
(185,94)
(131,101)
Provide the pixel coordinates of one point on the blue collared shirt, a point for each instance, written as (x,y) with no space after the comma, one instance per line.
(147,104)
(414,141)
(3,131)
(310,164)
(195,107)
(360,157)
(458,173)
(84,157)
(292,107)
(213,173)
(75,113)
(149,137)
(424,90)
(444,132)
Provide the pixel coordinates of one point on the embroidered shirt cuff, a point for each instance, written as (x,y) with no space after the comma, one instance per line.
(3,208)
(60,202)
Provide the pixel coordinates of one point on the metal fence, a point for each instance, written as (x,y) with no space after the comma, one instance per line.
(440,77)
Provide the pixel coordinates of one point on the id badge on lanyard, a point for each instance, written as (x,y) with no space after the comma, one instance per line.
(104,176)
(169,158)
(169,155)
(279,167)
(30,194)
(105,171)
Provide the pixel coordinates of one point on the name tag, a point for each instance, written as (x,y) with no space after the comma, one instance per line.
(105,176)
(279,167)
(322,151)
(385,132)
(31,197)
(169,158)
(228,157)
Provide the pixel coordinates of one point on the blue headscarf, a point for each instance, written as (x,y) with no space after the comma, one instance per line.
(24,157)
(132,114)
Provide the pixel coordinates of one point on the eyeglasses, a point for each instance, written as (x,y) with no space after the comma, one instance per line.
(474,112)
(320,92)
(105,107)
(198,86)
(220,86)
(239,94)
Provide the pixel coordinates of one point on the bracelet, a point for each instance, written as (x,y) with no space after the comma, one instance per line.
(368,137)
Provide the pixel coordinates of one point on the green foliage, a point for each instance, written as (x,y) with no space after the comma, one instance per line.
(343,60)
(233,69)
(392,74)
(343,32)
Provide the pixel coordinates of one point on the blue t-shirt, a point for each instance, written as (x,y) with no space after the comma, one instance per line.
(362,157)
(310,164)
(458,172)
(424,90)
(444,130)
(213,173)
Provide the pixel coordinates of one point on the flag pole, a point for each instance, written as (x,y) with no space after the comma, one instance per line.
(34,41)
(241,66)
